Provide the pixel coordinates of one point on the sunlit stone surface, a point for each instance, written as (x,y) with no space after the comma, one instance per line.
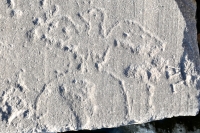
(88,64)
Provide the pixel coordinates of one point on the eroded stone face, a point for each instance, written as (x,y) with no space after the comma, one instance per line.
(70,65)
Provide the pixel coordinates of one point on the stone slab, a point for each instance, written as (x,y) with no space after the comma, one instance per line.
(86,64)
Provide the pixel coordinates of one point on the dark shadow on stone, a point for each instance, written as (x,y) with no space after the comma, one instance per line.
(189,122)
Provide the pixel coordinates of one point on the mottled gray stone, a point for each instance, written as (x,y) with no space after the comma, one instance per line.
(86,64)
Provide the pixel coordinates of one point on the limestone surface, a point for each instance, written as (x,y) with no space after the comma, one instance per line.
(88,64)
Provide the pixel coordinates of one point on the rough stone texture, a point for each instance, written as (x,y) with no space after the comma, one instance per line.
(86,64)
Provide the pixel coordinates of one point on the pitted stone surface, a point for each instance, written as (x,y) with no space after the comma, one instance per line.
(86,64)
